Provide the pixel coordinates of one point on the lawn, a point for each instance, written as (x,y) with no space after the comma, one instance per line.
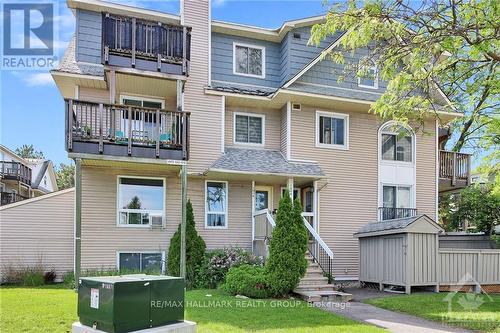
(471,311)
(53,309)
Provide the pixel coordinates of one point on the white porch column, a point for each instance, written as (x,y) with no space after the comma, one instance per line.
(315,206)
(289,185)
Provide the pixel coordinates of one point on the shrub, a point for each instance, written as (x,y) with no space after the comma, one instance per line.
(217,263)
(287,263)
(69,280)
(32,277)
(195,249)
(49,277)
(247,280)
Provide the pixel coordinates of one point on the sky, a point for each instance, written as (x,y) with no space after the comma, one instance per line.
(32,109)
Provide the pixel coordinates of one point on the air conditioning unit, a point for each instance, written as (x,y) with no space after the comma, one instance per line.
(296,107)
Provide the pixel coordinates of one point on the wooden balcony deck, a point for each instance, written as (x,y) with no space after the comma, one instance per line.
(454,170)
(16,171)
(146,45)
(8,198)
(122,130)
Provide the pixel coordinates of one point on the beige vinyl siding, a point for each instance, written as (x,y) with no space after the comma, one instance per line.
(102,238)
(283,130)
(39,229)
(206,110)
(272,125)
(348,197)
(93,95)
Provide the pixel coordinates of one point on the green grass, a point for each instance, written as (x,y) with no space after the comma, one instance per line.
(464,313)
(53,309)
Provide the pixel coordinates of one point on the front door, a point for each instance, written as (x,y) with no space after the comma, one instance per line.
(263,198)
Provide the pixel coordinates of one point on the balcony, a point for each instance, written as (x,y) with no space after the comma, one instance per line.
(123,130)
(146,45)
(454,170)
(16,171)
(8,198)
(391,213)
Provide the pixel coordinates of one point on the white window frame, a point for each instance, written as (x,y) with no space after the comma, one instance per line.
(299,194)
(412,194)
(259,47)
(225,212)
(382,131)
(337,115)
(375,79)
(143,99)
(263,134)
(119,210)
(141,252)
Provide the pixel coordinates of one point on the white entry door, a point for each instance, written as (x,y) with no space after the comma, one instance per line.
(263,198)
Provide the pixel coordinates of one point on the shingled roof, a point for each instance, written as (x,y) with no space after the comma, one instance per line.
(68,63)
(263,161)
(394,226)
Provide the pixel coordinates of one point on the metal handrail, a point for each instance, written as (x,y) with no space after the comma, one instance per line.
(318,249)
(317,238)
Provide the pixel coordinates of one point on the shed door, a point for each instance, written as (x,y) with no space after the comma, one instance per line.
(394,259)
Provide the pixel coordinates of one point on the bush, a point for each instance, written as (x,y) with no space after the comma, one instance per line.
(287,264)
(195,249)
(32,277)
(69,280)
(49,277)
(23,275)
(217,263)
(247,280)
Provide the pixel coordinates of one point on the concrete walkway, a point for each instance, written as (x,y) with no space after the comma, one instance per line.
(393,321)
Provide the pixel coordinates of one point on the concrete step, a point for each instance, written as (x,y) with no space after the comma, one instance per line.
(306,281)
(315,287)
(311,274)
(324,296)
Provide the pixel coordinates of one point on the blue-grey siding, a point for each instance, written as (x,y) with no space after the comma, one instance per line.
(88,36)
(222,61)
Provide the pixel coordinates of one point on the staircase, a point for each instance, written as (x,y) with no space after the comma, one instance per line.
(314,286)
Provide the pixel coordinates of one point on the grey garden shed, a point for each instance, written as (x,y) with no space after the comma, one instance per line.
(400,252)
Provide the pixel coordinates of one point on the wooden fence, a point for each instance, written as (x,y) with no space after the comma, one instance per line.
(469,266)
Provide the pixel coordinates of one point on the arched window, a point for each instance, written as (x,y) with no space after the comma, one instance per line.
(396,142)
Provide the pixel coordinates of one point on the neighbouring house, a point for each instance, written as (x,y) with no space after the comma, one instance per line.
(247,112)
(22,178)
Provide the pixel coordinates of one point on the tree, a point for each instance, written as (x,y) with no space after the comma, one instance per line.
(65,176)
(286,264)
(28,151)
(195,249)
(476,206)
(135,203)
(417,45)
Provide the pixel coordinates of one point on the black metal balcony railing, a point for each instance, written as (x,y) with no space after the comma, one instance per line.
(16,171)
(149,45)
(390,213)
(454,166)
(8,198)
(123,130)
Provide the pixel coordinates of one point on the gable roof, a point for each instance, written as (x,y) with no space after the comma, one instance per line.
(395,226)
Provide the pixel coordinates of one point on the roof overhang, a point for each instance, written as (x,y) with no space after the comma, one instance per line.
(118,9)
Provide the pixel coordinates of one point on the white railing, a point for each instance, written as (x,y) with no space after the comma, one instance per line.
(318,249)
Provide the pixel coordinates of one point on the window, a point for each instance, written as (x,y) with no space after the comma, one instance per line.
(249,60)
(397,196)
(141,201)
(249,129)
(331,130)
(146,262)
(397,143)
(367,74)
(216,204)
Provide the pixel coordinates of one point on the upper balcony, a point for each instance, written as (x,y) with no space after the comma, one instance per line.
(16,171)
(125,130)
(146,45)
(454,170)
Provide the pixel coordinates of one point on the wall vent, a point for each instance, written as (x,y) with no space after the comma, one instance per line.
(296,107)
(296,35)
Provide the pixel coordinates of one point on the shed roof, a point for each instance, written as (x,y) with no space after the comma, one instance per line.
(420,223)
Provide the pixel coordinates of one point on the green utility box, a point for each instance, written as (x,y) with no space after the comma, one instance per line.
(118,304)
